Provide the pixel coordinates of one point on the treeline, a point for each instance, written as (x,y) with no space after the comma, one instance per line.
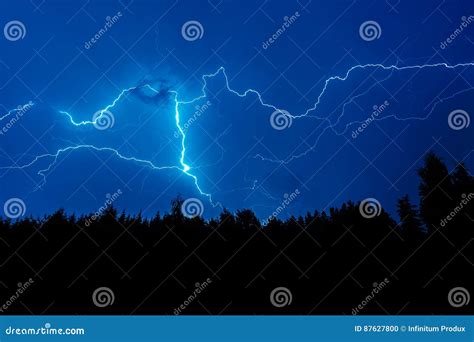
(335,262)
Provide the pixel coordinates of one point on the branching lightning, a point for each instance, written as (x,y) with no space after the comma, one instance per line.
(19,109)
(187,169)
(55,156)
(101,111)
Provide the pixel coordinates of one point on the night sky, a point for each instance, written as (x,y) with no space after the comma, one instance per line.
(238,104)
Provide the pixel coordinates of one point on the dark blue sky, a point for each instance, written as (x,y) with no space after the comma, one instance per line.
(295,55)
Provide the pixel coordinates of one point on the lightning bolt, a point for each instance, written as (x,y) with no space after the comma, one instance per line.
(187,169)
(101,111)
(20,108)
(56,155)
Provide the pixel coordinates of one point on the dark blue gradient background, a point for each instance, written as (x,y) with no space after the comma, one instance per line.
(226,143)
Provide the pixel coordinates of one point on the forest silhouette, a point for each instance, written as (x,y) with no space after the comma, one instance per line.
(330,262)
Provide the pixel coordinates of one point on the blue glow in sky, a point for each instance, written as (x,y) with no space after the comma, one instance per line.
(238,104)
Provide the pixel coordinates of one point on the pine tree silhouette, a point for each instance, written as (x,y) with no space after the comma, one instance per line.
(435,191)
(329,261)
(410,223)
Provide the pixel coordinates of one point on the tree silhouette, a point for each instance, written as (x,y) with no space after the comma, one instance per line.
(435,191)
(410,223)
(330,261)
